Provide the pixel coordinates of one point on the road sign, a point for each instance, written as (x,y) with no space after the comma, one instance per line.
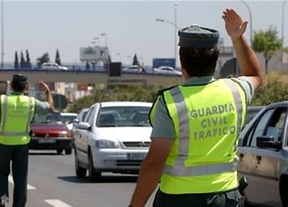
(230,68)
(60,102)
(115,69)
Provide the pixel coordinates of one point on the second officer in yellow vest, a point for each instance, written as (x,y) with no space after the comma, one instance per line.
(196,124)
(17,111)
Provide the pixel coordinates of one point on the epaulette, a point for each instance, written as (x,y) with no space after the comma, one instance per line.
(160,92)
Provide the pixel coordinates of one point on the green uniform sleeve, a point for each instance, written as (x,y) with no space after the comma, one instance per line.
(162,124)
(247,87)
(41,107)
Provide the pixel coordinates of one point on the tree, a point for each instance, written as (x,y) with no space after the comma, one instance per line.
(109,59)
(57,58)
(28,60)
(16,61)
(135,60)
(268,43)
(22,60)
(43,59)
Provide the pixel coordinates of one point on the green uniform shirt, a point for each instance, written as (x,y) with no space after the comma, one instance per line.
(163,125)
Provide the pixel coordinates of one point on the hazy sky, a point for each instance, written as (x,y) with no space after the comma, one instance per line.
(44,26)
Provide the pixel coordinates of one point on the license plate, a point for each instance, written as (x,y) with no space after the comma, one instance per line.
(136,156)
(46,141)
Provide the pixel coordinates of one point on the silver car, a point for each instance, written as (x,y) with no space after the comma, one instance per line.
(263,157)
(114,137)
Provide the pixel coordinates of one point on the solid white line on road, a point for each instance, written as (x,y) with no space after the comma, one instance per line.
(57,203)
(29,187)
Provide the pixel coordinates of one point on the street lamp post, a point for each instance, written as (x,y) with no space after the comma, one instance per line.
(118,54)
(2,39)
(250,19)
(174,24)
(96,42)
(96,39)
(282,30)
(106,48)
(175,33)
(104,34)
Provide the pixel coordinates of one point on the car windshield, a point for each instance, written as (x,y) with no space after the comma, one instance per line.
(54,118)
(123,116)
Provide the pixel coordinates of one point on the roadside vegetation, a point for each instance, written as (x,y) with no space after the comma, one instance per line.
(274,89)
(115,93)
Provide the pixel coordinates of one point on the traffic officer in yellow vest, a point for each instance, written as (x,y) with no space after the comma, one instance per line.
(196,124)
(17,111)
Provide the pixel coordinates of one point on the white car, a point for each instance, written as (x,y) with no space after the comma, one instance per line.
(132,69)
(80,118)
(81,115)
(114,137)
(167,70)
(52,66)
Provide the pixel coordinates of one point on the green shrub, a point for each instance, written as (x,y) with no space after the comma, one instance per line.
(272,90)
(115,93)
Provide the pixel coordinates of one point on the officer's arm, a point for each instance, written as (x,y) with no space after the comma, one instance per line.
(152,167)
(248,62)
(247,59)
(151,170)
(49,100)
(41,107)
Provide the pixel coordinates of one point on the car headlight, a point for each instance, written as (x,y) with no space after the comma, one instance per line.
(106,144)
(64,134)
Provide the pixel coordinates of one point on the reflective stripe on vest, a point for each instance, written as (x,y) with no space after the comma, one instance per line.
(4,116)
(179,168)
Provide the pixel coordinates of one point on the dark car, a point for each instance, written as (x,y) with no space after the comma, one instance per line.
(47,135)
(263,156)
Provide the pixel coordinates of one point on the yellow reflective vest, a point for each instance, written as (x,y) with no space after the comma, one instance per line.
(17,112)
(207,120)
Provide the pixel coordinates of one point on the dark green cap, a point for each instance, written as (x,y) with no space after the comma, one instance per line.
(19,78)
(198,37)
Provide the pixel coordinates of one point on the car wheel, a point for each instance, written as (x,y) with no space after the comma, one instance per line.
(93,176)
(68,151)
(79,171)
(59,151)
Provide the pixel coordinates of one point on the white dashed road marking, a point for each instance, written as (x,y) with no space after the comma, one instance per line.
(52,202)
(57,203)
(29,187)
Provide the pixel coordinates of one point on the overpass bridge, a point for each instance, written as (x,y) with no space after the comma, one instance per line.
(72,76)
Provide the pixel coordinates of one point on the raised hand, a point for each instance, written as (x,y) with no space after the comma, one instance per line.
(234,24)
(43,86)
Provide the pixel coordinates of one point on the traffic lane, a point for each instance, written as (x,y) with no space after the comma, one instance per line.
(34,197)
(113,190)
(54,178)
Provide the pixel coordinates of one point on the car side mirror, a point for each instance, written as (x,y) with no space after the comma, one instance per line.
(268,142)
(84,126)
(75,121)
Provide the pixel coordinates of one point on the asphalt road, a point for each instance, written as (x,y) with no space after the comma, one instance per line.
(52,182)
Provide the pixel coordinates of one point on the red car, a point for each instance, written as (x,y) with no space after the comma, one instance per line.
(50,136)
